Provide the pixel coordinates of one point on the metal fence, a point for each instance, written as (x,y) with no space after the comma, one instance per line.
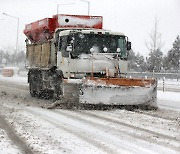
(154,75)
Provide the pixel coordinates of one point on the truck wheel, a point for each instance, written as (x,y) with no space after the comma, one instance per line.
(58,84)
(58,89)
(31,89)
(39,89)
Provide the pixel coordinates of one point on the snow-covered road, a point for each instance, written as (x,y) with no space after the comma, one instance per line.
(39,130)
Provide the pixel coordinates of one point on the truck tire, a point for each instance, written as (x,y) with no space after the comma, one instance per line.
(39,90)
(35,84)
(32,89)
(58,84)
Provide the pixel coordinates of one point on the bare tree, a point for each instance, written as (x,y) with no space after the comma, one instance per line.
(155,45)
(155,38)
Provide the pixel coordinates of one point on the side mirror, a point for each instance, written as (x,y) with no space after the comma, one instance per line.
(128,45)
(69,48)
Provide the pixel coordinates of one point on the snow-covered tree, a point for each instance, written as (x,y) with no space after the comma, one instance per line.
(173,56)
(155,61)
(155,45)
(11,58)
(136,62)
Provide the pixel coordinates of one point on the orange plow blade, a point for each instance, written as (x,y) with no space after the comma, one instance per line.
(119,91)
(124,81)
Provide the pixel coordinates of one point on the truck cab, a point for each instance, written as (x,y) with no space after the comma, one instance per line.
(97,52)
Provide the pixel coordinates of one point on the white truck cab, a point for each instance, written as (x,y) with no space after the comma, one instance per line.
(92,51)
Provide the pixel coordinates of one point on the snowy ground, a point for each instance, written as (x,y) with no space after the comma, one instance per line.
(15,79)
(169,99)
(25,127)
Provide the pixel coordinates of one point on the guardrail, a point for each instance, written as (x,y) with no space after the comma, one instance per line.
(154,75)
(163,83)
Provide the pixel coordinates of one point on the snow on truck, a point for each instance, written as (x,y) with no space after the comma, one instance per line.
(74,57)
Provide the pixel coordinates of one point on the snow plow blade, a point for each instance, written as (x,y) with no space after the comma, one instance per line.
(115,91)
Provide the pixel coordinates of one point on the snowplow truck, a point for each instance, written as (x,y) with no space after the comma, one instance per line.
(72,56)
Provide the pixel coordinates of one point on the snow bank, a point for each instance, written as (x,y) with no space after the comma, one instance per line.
(15,79)
(172,96)
(169,100)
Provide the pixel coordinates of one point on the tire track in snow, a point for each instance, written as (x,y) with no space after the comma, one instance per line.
(144,137)
(107,142)
(78,126)
(74,131)
(111,118)
(156,134)
(13,136)
(159,114)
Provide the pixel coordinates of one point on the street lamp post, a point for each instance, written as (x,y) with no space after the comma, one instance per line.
(63,4)
(17,31)
(88,5)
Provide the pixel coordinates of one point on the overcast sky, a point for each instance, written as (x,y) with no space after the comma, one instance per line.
(135,18)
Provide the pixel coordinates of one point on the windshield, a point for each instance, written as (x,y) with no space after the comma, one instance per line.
(101,43)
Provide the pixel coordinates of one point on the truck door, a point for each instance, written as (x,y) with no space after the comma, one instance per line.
(63,55)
